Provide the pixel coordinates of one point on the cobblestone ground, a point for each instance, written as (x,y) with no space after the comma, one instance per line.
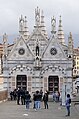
(10,110)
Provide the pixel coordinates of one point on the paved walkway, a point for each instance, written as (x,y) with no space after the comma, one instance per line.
(10,110)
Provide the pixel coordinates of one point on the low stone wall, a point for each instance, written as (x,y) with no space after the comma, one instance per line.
(3,95)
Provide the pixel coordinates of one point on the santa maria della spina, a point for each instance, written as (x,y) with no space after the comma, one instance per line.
(36,61)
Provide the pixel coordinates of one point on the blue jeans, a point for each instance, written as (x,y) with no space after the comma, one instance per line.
(37,104)
(27,104)
(68,110)
(46,104)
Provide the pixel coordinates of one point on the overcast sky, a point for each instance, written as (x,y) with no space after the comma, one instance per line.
(11,10)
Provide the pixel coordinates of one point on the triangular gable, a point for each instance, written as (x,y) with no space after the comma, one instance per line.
(33,41)
(34,32)
(16,53)
(54,50)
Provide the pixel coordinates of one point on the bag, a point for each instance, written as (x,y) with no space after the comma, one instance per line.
(69,101)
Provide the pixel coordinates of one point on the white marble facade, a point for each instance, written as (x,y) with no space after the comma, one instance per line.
(38,57)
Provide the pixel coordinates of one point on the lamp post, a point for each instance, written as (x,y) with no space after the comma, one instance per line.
(65,81)
(8,85)
(64,89)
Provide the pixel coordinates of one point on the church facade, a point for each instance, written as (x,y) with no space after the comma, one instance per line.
(36,61)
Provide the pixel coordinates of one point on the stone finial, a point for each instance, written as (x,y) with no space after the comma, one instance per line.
(60,32)
(5,46)
(26,31)
(53,24)
(70,35)
(42,25)
(5,38)
(21,24)
(37,16)
(70,41)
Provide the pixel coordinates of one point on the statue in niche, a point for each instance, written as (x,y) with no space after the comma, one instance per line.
(37,16)
(21,22)
(53,23)
(37,50)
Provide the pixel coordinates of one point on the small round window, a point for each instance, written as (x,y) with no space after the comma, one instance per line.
(53,51)
(21,51)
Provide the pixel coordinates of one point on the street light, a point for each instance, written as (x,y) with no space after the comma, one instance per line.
(64,89)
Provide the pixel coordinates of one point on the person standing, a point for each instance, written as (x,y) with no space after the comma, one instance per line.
(27,99)
(41,93)
(11,95)
(68,103)
(37,99)
(45,99)
(34,100)
(22,96)
(18,96)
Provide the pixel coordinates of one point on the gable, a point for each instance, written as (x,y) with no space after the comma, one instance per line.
(54,50)
(37,38)
(20,51)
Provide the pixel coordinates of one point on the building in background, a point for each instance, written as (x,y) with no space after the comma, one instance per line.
(1,54)
(76,60)
(76,71)
(1,66)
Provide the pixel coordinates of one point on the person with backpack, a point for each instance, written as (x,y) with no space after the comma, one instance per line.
(68,103)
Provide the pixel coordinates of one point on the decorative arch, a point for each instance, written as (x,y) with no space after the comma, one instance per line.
(21,68)
(53,68)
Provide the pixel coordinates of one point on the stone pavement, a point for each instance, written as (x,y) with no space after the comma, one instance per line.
(10,110)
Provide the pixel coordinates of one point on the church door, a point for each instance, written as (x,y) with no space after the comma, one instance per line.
(53,84)
(21,81)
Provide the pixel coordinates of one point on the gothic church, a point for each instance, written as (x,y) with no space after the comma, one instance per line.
(36,61)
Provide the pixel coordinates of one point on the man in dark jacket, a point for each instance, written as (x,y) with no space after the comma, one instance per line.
(22,96)
(18,96)
(37,99)
(45,99)
(27,99)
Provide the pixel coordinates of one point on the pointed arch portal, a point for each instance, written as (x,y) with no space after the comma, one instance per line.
(21,81)
(53,83)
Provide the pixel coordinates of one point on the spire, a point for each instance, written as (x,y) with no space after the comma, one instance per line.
(43,28)
(23,29)
(26,32)
(70,42)
(53,24)
(21,25)
(5,38)
(37,17)
(5,45)
(60,32)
